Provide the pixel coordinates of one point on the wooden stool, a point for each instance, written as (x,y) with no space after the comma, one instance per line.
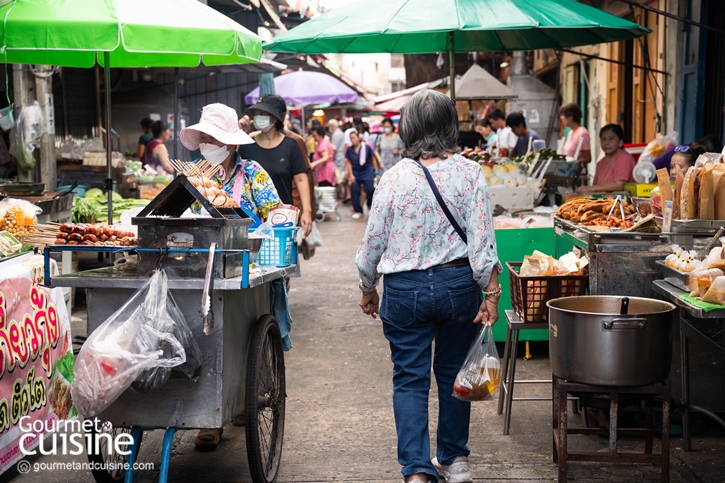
(560,430)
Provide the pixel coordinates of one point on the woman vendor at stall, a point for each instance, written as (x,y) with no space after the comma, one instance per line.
(156,154)
(683,158)
(217,136)
(615,167)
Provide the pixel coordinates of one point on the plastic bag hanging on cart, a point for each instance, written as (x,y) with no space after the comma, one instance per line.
(124,346)
(176,325)
(480,374)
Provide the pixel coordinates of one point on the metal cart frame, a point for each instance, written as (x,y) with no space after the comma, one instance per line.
(242,367)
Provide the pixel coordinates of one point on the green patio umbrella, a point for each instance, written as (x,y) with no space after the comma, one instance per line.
(122,33)
(430,26)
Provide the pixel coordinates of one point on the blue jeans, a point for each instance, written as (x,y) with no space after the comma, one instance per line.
(419,307)
(369,186)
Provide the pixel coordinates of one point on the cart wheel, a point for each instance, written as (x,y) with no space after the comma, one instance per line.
(320,217)
(265,400)
(101,455)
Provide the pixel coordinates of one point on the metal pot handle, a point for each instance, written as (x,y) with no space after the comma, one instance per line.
(625,324)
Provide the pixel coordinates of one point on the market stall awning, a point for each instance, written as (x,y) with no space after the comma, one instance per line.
(394,101)
(477,83)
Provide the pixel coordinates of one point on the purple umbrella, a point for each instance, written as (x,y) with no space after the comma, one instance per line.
(304,87)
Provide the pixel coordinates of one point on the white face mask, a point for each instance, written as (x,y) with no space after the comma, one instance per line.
(263,123)
(387,130)
(214,154)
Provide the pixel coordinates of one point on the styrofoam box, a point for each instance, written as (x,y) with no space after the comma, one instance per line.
(519,198)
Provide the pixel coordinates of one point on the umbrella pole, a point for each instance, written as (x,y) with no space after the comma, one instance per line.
(109,169)
(176,111)
(452,66)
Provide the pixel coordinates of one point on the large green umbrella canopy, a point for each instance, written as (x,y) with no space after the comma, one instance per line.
(122,33)
(430,26)
(135,33)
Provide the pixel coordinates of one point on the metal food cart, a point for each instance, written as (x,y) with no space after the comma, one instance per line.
(243,361)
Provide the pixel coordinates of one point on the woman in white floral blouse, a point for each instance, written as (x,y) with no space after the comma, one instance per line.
(433,283)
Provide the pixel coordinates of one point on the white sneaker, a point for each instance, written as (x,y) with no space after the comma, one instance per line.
(456,472)
(356,216)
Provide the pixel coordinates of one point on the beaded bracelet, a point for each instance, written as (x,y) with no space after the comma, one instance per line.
(492,293)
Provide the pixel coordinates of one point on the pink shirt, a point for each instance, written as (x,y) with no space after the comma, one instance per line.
(619,169)
(573,141)
(325,171)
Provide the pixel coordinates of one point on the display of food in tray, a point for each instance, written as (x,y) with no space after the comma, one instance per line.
(582,210)
(94,235)
(213,192)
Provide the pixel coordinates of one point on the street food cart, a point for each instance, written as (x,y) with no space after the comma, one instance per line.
(242,355)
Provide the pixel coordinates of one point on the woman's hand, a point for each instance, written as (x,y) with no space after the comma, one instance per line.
(488,311)
(582,190)
(350,179)
(306,222)
(370,303)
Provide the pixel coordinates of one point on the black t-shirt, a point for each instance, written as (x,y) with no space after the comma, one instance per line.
(281,163)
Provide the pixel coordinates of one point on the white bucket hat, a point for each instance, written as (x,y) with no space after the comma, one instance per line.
(218,121)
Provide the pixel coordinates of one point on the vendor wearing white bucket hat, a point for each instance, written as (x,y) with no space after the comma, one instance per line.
(217,136)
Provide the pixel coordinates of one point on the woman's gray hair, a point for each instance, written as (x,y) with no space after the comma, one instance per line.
(429,126)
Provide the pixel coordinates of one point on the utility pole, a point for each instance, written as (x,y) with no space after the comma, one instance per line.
(44,92)
(23,95)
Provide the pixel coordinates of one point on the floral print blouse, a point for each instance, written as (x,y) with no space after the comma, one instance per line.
(258,193)
(407,229)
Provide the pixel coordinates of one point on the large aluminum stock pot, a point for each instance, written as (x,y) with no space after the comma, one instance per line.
(610,340)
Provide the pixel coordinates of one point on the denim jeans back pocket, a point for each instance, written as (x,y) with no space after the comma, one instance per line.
(399,306)
(465,303)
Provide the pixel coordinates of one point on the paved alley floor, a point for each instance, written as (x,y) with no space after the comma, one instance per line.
(339,420)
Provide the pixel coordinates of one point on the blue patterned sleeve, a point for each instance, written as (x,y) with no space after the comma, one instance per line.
(263,191)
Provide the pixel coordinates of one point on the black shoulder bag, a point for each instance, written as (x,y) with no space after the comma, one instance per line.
(442,203)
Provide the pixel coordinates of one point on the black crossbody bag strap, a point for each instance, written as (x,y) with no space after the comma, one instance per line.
(442,203)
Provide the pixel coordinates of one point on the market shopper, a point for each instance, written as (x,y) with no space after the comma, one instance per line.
(361,166)
(156,155)
(322,162)
(337,138)
(709,144)
(433,281)
(144,139)
(615,167)
(279,155)
(524,135)
(217,136)
(388,145)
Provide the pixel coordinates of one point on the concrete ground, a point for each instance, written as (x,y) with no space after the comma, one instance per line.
(339,420)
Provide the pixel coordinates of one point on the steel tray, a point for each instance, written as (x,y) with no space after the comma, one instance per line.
(674,277)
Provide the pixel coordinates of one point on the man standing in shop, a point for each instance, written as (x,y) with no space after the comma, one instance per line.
(505,138)
(517,123)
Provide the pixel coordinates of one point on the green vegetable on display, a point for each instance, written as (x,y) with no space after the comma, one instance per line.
(94,206)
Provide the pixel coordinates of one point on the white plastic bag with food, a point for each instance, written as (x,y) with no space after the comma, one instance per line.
(480,374)
(124,346)
(658,146)
(701,279)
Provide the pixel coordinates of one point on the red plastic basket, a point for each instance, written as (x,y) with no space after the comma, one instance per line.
(530,294)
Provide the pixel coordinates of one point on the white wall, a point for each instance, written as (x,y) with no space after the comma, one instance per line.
(373,71)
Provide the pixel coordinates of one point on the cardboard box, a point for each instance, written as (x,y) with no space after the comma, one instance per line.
(639,189)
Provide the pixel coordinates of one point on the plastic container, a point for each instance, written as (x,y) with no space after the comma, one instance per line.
(280,251)
(530,294)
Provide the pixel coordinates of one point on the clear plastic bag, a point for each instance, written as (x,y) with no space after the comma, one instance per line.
(658,146)
(26,135)
(480,374)
(716,293)
(314,239)
(125,345)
